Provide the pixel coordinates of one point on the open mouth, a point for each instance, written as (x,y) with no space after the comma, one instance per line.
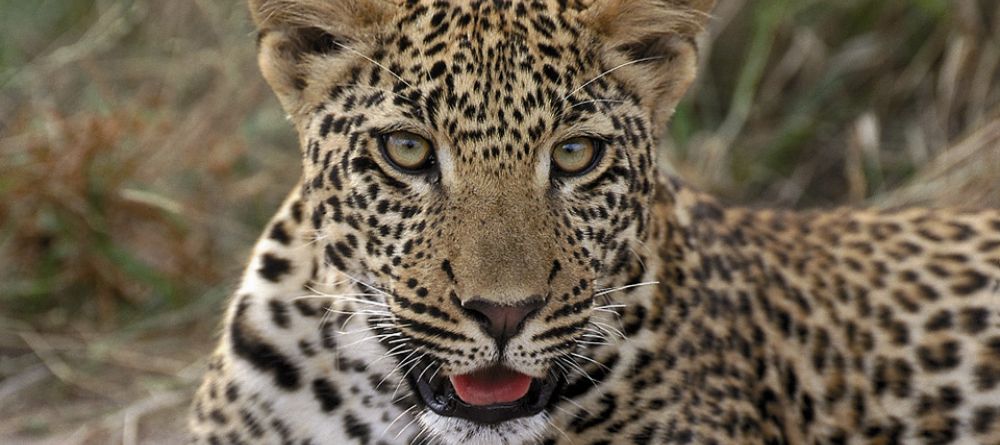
(488,396)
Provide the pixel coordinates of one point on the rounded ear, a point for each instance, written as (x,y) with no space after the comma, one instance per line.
(294,34)
(653,44)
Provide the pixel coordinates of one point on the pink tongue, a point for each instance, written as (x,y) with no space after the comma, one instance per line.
(491,386)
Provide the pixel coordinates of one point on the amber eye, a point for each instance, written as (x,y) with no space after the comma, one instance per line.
(576,156)
(407,151)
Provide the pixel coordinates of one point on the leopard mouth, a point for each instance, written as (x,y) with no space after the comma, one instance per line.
(488,396)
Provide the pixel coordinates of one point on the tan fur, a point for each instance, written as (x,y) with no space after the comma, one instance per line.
(667,26)
(281,23)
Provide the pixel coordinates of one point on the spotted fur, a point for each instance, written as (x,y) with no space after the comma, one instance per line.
(671,318)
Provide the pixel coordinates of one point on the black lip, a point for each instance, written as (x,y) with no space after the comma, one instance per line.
(439,396)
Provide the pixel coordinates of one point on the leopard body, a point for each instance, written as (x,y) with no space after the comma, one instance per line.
(667,317)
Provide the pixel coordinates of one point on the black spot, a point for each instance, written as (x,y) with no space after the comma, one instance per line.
(549,50)
(261,354)
(279,313)
(974,320)
(327,395)
(218,417)
(940,357)
(357,429)
(984,417)
(279,234)
(556,267)
(306,309)
(438,18)
(252,424)
(272,268)
(645,435)
(438,69)
(939,321)
(551,73)
(972,281)
(944,434)
(232,392)
(446,267)
(332,257)
(297,211)
(324,128)
(986,376)
(706,211)
(608,404)
(807,409)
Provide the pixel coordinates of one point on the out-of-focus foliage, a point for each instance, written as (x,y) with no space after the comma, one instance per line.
(814,102)
(141,152)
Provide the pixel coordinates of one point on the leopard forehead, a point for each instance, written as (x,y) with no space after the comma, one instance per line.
(491,90)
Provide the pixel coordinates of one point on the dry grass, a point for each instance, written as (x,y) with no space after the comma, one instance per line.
(140,153)
(806,103)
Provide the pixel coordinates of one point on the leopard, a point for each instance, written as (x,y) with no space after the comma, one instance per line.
(484,248)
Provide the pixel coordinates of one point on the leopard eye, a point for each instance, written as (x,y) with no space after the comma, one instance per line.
(407,151)
(576,156)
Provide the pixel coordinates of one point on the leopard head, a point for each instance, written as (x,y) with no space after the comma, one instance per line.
(486,168)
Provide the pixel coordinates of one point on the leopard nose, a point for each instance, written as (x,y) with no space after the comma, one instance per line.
(503,321)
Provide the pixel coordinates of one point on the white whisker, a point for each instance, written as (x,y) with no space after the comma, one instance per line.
(646,59)
(630,286)
(369,286)
(563,433)
(574,403)
(617,101)
(608,311)
(374,328)
(345,47)
(576,367)
(435,373)
(397,368)
(385,356)
(584,357)
(405,427)
(402,378)
(347,297)
(371,87)
(388,427)
(609,329)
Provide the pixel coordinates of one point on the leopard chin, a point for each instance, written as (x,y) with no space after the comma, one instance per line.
(466,432)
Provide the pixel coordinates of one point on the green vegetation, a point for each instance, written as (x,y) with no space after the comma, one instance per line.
(141,153)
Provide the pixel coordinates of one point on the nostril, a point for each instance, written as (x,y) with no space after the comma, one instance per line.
(503,321)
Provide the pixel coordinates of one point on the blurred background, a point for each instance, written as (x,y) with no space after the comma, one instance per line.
(141,153)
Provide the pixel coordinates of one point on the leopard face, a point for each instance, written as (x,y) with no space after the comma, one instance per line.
(483,171)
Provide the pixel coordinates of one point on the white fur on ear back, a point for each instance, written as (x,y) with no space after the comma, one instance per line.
(295,33)
(656,39)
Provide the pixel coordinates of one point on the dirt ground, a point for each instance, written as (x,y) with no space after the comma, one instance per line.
(127,387)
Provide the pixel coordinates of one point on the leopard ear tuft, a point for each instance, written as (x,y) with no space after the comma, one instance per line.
(293,34)
(656,39)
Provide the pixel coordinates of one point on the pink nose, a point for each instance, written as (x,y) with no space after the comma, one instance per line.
(503,321)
